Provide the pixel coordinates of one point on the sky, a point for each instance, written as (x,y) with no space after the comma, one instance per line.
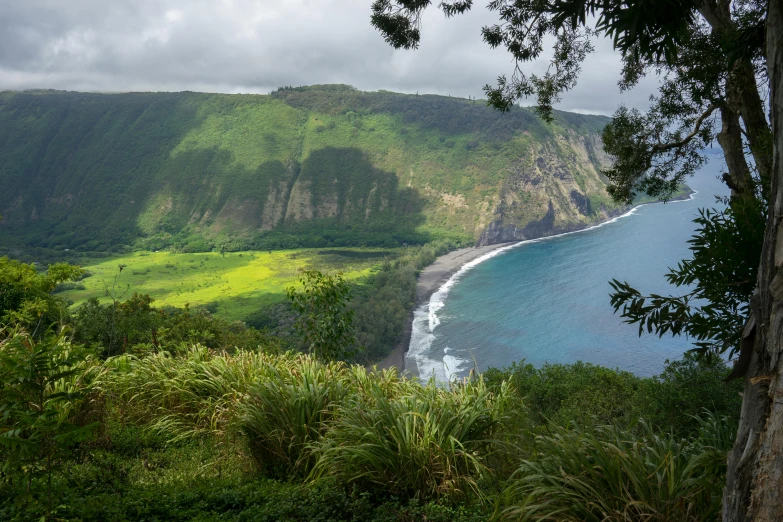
(255,46)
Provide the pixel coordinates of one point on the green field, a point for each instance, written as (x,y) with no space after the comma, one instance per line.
(236,284)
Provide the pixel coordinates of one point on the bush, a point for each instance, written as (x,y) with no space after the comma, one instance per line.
(557,394)
(42,387)
(689,385)
(580,392)
(26,295)
(242,500)
(135,326)
(62,287)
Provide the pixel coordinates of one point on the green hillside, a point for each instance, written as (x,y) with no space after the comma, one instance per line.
(306,167)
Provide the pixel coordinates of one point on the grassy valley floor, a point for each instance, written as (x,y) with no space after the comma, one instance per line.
(232,285)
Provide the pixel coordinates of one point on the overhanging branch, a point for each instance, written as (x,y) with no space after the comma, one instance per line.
(657,148)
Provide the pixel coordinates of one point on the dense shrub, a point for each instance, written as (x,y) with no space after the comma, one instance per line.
(687,386)
(557,394)
(382,307)
(238,500)
(581,392)
(43,384)
(135,326)
(26,298)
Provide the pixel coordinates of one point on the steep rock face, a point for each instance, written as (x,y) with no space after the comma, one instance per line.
(555,188)
(301,167)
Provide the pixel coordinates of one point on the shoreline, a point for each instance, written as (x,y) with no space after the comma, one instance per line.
(435,275)
(431,278)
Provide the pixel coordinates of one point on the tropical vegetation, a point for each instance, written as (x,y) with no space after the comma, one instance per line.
(121,411)
(210,434)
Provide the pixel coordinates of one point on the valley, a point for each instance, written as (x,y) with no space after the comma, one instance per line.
(243,279)
(309,167)
(230,285)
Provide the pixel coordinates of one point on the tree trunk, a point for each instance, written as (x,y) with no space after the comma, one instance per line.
(741,100)
(754,482)
(730,139)
(752,112)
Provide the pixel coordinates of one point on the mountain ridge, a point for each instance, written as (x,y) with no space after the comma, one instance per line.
(310,166)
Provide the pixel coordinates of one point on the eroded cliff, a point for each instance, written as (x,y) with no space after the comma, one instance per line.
(315,166)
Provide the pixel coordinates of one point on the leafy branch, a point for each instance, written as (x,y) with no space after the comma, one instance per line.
(720,278)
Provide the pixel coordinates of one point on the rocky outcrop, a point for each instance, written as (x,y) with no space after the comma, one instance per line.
(496,232)
(555,188)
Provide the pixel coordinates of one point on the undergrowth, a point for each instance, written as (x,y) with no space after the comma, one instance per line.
(205,434)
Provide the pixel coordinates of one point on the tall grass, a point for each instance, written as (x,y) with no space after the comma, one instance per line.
(183,396)
(609,474)
(293,416)
(296,415)
(417,441)
(283,414)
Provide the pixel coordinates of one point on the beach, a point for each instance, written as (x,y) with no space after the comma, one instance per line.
(430,279)
(435,275)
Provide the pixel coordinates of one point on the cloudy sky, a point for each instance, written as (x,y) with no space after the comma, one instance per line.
(258,45)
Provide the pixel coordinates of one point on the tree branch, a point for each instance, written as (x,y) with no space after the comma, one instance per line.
(668,146)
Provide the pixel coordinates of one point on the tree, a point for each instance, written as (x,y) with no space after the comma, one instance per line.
(135,326)
(26,295)
(116,327)
(713,55)
(42,385)
(325,320)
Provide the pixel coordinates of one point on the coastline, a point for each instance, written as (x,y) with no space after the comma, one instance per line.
(429,280)
(435,275)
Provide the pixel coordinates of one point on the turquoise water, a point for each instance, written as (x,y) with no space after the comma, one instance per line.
(548,300)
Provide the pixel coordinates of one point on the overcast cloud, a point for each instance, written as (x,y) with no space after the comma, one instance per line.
(258,45)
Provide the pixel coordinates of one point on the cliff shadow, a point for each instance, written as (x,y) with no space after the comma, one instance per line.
(340,193)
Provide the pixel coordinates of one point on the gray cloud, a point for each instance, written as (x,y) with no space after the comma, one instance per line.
(256,46)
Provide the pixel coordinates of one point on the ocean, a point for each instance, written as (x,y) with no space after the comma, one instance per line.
(547,300)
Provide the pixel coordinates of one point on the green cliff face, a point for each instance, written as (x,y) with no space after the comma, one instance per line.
(313,166)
